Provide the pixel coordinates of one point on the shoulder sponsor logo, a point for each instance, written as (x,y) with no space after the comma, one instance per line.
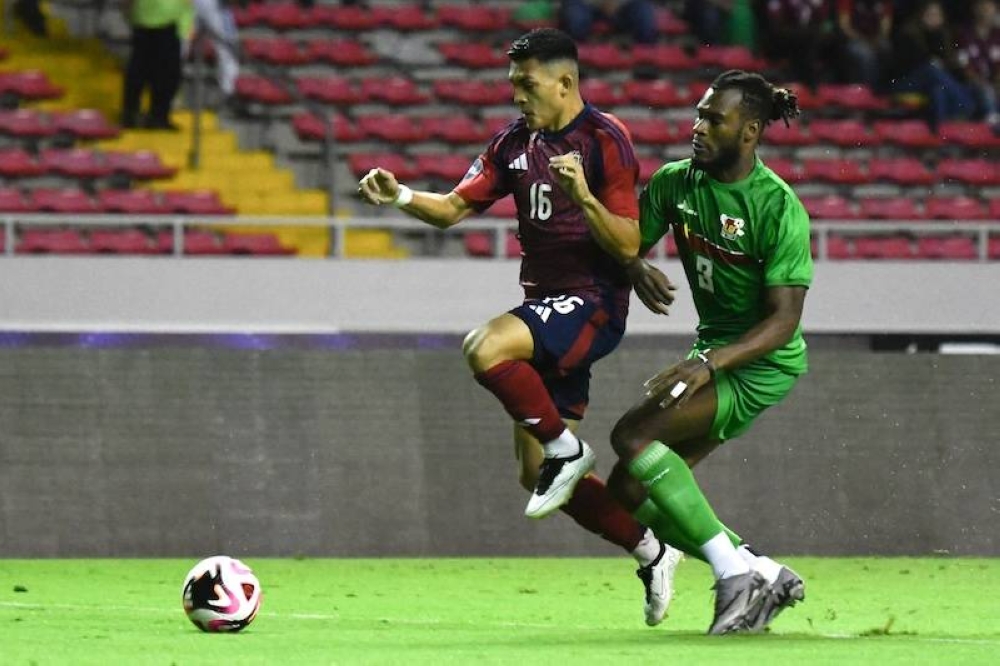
(474,170)
(732,227)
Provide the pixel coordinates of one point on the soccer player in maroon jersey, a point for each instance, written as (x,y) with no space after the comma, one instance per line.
(572,171)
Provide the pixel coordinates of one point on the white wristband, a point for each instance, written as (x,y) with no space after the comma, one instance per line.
(403,197)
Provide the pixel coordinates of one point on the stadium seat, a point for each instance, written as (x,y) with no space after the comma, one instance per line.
(263,244)
(405,18)
(956,208)
(475,18)
(657,94)
(830,207)
(447,167)
(26,124)
(139,165)
(195,202)
(131,202)
(86,124)
(779,134)
(330,90)
(393,90)
(601,93)
(849,98)
(12,201)
(476,55)
(900,170)
(993,248)
(728,57)
(473,93)
(846,133)
(648,166)
(196,242)
(37,240)
(604,56)
(656,131)
(344,52)
(401,166)
(63,201)
(947,247)
(346,18)
(667,23)
(975,135)
(392,128)
(890,208)
(456,129)
(33,85)
(275,51)
(907,133)
(835,171)
(808,101)
(668,57)
(978,172)
(75,163)
(261,90)
(995,209)
(884,247)
(788,170)
(121,241)
(839,248)
(309,127)
(284,16)
(19,163)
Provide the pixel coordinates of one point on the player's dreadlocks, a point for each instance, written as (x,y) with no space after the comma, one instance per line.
(545,44)
(761,99)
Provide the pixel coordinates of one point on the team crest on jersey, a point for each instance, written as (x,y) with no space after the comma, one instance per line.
(732,227)
(475,169)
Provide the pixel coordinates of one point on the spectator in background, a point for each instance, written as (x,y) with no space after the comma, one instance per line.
(979,56)
(925,61)
(155,59)
(865,28)
(633,17)
(708,19)
(799,32)
(215,19)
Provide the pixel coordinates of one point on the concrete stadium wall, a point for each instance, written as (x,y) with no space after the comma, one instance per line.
(325,296)
(192,451)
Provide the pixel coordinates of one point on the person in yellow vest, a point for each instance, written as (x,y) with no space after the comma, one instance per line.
(155,59)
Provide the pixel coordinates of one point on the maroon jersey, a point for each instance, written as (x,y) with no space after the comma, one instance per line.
(558,253)
(980,54)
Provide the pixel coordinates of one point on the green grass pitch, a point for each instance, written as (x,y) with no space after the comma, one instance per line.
(495,611)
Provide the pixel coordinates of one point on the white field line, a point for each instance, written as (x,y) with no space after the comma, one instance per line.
(327,617)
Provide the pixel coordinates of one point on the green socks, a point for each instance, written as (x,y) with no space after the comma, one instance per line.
(685,520)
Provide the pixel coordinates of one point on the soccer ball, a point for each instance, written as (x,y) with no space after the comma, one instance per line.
(221,594)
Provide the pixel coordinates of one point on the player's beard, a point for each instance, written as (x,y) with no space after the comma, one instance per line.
(725,157)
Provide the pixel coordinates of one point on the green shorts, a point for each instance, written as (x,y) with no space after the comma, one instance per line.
(744,393)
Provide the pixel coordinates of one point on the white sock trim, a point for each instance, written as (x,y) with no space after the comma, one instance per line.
(762,564)
(563,446)
(722,556)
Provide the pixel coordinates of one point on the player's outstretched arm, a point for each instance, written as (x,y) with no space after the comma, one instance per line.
(379,187)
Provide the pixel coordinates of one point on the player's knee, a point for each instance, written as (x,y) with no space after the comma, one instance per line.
(626,439)
(480,350)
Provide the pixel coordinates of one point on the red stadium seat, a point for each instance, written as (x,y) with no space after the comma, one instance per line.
(84,124)
(196,242)
(728,57)
(473,93)
(979,172)
(835,171)
(447,167)
(890,208)
(63,201)
(900,170)
(344,52)
(669,57)
(839,248)
(406,18)
(476,55)
(907,133)
(195,202)
(976,135)
(275,51)
(657,94)
(261,90)
(993,247)
(956,208)
(847,133)
(884,247)
(348,18)
(254,244)
(788,170)
(26,124)
(995,209)
(947,247)
(604,56)
(667,23)
(392,128)
(121,241)
(19,163)
(140,165)
(648,166)
(602,93)
(808,101)
(402,167)
(330,90)
(29,85)
(456,129)
(312,128)
(12,201)
(132,202)
(850,97)
(52,241)
(779,134)
(831,207)
(284,16)
(394,90)
(475,18)
(75,163)
(656,131)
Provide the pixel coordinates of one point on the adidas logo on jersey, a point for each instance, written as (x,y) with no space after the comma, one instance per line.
(519,164)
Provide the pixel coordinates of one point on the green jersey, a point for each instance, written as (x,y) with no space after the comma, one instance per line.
(735,240)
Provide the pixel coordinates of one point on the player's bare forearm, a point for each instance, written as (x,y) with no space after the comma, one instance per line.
(617,235)
(784,305)
(438,210)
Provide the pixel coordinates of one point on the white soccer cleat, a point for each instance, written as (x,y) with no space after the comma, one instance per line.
(557,478)
(658,579)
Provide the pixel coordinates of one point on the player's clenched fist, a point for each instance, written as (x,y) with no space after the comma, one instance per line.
(378,186)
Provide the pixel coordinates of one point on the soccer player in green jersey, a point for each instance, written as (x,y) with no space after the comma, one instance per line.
(743,238)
